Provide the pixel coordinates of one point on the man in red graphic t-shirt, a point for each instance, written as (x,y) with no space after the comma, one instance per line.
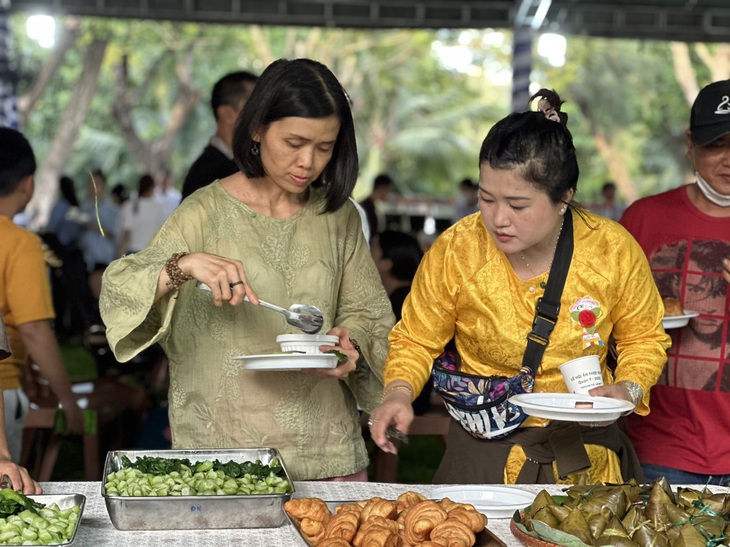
(685,234)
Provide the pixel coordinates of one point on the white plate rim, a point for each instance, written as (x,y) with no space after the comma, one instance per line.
(306,360)
(444,491)
(493,509)
(678,321)
(537,410)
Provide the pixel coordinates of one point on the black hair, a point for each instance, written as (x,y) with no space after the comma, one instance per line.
(121,192)
(553,99)
(540,148)
(17,160)
(382,180)
(403,250)
(468,183)
(306,89)
(67,187)
(231,89)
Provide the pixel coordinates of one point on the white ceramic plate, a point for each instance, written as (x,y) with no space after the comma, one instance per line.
(561,406)
(678,321)
(287,361)
(497,502)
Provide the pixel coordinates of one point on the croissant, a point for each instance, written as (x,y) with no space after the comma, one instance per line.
(343,525)
(457,533)
(401,519)
(408,499)
(333,542)
(383,522)
(375,522)
(312,530)
(475,520)
(355,507)
(377,536)
(448,504)
(313,508)
(421,519)
(378,506)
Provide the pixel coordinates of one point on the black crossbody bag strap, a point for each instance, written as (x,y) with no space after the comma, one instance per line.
(548,306)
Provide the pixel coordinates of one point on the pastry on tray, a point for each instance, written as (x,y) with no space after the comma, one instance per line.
(410,520)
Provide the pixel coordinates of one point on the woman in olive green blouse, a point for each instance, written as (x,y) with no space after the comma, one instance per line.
(282,229)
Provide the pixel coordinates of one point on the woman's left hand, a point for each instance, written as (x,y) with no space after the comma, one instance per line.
(615,391)
(345,346)
(726,269)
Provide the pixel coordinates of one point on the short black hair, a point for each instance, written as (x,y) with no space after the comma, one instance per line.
(67,187)
(382,180)
(541,149)
(17,160)
(403,250)
(301,88)
(231,89)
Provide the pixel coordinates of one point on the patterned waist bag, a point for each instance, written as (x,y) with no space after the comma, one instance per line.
(481,403)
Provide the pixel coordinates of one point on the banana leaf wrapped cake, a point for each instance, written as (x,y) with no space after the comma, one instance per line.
(626,515)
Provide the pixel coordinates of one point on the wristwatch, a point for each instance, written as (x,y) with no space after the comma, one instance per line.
(634,389)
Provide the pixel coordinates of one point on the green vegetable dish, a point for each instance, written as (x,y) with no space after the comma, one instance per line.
(629,515)
(150,476)
(24,521)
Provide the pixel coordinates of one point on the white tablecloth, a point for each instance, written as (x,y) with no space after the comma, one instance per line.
(96,529)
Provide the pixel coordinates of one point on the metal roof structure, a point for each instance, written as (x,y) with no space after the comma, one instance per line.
(682,20)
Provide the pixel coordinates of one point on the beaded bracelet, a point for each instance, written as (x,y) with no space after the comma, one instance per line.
(392,389)
(177,277)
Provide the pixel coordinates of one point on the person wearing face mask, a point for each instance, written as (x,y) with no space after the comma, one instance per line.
(685,233)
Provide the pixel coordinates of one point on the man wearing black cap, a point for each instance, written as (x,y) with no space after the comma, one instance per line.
(685,234)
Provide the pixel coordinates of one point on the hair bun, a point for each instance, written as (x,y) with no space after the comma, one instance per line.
(550,104)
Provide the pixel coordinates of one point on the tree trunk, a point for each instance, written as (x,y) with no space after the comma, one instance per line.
(54,162)
(154,156)
(26,101)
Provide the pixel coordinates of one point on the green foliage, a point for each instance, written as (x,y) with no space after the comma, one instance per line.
(418,116)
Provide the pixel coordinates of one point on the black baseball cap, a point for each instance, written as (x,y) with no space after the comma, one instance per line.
(710,117)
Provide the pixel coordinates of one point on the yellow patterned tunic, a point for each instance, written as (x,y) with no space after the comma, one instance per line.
(310,258)
(467,288)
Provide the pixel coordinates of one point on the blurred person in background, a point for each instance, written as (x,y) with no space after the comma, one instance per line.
(73,302)
(166,193)
(382,186)
(25,297)
(685,234)
(468,200)
(18,476)
(397,256)
(610,206)
(227,99)
(142,216)
(119,194)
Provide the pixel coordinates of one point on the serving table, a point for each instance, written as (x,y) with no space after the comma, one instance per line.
(96,529)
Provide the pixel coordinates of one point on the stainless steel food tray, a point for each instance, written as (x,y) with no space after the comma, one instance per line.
(64,501)
(196,512)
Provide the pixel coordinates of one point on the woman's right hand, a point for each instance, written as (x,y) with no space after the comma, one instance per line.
(225,277)
(395,410)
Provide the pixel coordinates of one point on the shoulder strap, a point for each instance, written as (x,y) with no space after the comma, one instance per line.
(548,307)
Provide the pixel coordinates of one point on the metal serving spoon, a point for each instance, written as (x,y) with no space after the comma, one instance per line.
(306,318)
